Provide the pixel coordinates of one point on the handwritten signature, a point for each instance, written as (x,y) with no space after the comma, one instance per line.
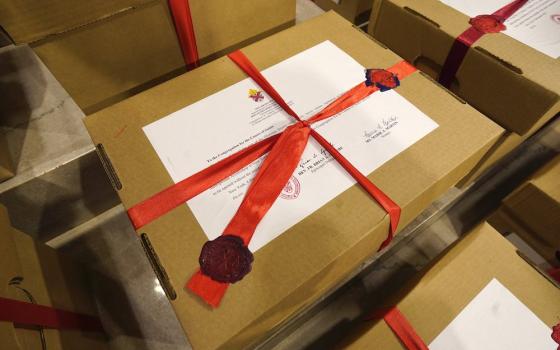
(382,129)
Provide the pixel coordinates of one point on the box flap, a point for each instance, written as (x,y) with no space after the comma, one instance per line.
(30,20)
(311,257)
(436,297)
(123,54)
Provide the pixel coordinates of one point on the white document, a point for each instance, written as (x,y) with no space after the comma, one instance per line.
(368,134)
(495,320)
(536,24)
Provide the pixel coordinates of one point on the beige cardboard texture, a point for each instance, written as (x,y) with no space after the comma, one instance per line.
(508,81)
(112,59)
(442,292)
(30,20)
(533,212)
(356,11)
(105,51)
(313,256)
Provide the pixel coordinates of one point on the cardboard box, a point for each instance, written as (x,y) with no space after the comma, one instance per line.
(532,211)
(513,84)
(105,51)
(356,11)
(309,259)
(29,269)
(436,297)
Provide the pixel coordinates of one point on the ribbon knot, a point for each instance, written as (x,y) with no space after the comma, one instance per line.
(304,124)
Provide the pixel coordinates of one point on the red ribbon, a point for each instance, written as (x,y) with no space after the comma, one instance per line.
(400,327)
(280,164)
(28,314)
(467,39)
(284,152)
(181,13)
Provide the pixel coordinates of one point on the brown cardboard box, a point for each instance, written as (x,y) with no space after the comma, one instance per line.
(6,165)
(356,11)
(533,212)
(30,269)
(100,51)
(434,299)
(511,83)
(105,51)
(313,256)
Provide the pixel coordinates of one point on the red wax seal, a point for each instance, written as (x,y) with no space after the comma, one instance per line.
(487,23)
(556,334)
(382,79)
(225,259)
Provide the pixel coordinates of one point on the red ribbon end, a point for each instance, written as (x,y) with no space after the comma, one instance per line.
(207,289)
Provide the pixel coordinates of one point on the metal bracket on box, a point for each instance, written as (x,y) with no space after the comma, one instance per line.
(157,267)
(108,166)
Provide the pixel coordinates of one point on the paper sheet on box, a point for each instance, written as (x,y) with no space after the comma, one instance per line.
(495,320)
(368,134)
(536,24)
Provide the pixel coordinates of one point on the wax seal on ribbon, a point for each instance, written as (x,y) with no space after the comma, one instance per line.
(225,259)
(488,24)
(556,334)
(382,79)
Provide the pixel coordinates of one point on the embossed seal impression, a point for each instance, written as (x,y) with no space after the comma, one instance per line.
(487,24)
(382,79)
(292,189)
(225,259)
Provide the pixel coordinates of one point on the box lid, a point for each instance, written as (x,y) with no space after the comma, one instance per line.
(29,20)
(535,75)
(220,25)
(126,53)
(436,297)
(312,256)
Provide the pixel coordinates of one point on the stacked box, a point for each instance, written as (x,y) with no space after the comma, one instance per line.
(310,257)
(103,52)
(443,294)
(33,272)
(514,84)
(532,212)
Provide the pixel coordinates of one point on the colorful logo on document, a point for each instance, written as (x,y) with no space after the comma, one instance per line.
(292,189)
(256,95)
(555,18)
